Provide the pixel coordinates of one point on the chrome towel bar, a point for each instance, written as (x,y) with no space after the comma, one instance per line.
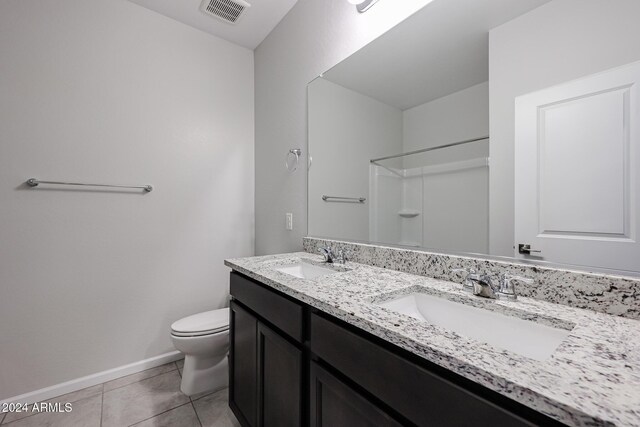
(33,182)
(344,199)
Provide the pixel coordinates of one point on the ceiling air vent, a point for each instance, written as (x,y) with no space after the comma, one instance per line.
(227,10)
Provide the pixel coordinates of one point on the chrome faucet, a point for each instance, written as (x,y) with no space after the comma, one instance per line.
(469,279)
(327,253)
(330,257)
(483,285)
(507,288)
(341,258)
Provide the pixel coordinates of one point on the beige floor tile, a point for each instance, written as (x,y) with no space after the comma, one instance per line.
(180,365)
(182,416)
(200,395)
(138,401)
(85,413)
(65,398)
(134,378)
(2,415)
(213,410)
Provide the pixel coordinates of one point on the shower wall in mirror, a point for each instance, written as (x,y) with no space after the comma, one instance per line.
(423,199)
(413,139)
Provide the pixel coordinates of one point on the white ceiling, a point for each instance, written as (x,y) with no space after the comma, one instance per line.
(441,49)
(256,23)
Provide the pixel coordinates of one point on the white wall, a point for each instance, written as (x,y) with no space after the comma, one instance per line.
(385,200)
(560,41)
(346,130)
(106,91)
(454,204)
(314,36)
(455,117)
(456,212)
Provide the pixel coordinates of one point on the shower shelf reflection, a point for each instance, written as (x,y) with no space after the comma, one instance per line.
(432,198)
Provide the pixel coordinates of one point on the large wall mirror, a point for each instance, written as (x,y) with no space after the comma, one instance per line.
(500,127)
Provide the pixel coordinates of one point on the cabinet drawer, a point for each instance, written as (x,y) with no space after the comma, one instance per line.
(284,314)
(421,396)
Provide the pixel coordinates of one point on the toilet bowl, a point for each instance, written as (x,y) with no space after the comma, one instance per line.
(204,340)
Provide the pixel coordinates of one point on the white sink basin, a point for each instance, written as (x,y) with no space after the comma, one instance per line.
(305,270)
(524,337)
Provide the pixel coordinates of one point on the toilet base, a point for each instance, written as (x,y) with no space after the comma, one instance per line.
(204,374)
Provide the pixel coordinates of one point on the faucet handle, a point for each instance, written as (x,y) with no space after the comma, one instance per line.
(342,256)
(507,288)
(326,253)
(471,274)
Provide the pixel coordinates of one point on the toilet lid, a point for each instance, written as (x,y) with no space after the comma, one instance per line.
(209,322)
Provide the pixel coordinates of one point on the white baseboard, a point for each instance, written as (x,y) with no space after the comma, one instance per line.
(94,379)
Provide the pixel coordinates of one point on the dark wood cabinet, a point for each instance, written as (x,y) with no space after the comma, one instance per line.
(243,365)
(292,365)
(265,366)
(333,403)
(421,396)
(279,380)
(285,315)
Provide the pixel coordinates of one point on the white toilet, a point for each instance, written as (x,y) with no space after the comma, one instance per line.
(204,340)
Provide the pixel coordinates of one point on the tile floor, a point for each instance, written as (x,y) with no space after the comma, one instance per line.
(151,398)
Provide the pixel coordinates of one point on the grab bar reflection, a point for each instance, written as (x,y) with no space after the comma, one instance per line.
(344,199)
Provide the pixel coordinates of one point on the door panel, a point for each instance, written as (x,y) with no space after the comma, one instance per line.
(576,171)
(243,397)
(279,380)
(587,158)
(334,404)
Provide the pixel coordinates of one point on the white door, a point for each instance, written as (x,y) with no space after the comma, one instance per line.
(577,154)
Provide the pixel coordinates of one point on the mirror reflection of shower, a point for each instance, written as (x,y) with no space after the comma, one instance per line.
(436,197)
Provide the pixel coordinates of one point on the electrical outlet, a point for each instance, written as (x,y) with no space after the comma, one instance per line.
(289,217)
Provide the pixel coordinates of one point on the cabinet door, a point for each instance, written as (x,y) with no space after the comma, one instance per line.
(279,380)
(243,397)
(334,404)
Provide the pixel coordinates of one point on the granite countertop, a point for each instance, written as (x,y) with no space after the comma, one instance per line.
(593,378)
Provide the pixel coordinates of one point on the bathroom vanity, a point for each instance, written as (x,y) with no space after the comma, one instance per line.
(322,345)
(472,128)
